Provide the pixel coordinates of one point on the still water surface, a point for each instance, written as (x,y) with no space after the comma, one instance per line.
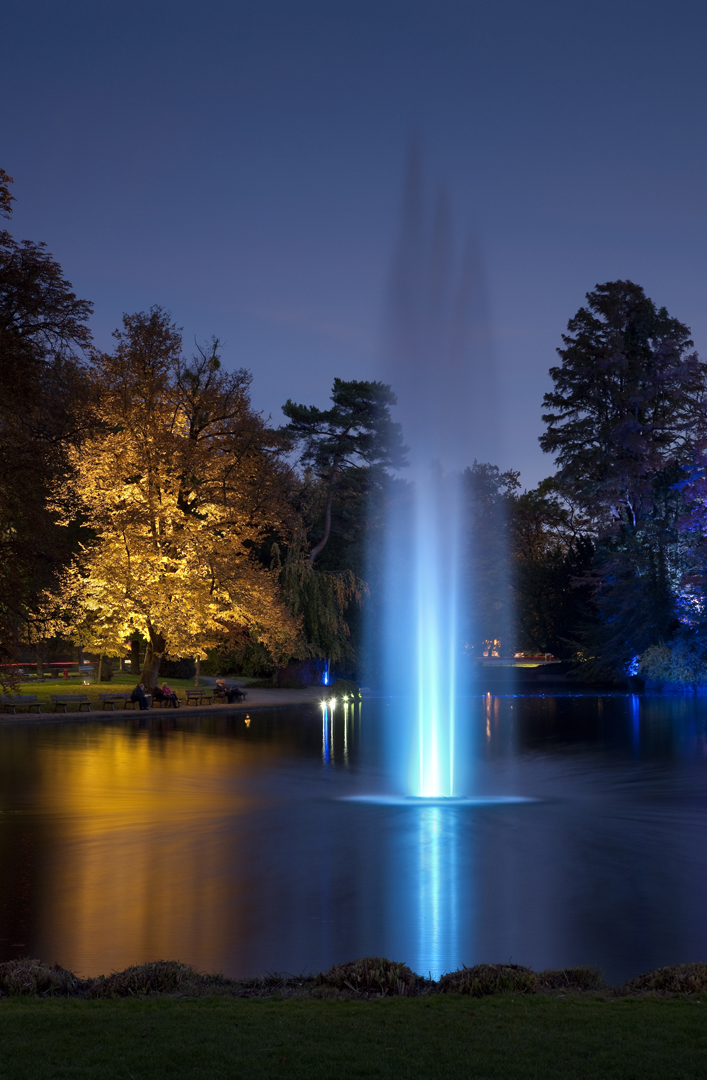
(234,847)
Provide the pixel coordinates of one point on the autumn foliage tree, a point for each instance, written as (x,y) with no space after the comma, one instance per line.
(180,485)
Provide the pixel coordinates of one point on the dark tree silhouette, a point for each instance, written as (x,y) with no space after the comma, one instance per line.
(343,444)
(629,400)
(43,386)
(628,408)
(551,552)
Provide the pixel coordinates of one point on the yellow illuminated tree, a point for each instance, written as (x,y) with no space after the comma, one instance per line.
(181,488)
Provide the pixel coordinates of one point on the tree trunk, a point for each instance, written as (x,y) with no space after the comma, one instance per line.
(100,667)
(156,646)
(135,656)
(327,529)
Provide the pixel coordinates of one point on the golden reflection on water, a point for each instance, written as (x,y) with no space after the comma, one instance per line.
(145,836)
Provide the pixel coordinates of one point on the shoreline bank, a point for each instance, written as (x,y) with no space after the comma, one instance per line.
(256,699)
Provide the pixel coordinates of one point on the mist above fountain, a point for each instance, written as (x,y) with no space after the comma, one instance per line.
(440,364)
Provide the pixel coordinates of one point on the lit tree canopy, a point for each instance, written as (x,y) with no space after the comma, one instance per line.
(181,486)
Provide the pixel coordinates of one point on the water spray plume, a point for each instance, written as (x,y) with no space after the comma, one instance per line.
(440,366)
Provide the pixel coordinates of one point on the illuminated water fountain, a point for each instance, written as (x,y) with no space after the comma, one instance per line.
(440,365)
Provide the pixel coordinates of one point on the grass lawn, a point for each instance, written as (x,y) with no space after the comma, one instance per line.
(443,1036)
(121,683)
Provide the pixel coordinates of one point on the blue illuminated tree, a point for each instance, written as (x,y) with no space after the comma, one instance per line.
(623,420)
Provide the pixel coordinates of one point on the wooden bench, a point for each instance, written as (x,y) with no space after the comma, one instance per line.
(10,704)
(62,700)
(199,697)
(164,702)
(109,701)
(236,693)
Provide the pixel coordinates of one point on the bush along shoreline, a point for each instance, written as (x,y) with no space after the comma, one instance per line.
(369,977)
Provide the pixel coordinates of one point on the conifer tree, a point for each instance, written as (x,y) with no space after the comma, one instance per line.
(625,414)
(344,445)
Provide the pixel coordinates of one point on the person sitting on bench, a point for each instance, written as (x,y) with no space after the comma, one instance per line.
(169,695)
(139,695)
(230,693)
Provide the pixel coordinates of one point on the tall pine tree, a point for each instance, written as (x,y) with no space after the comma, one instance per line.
(627,409)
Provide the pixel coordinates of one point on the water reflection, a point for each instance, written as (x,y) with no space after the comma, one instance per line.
(438,891)
(233,846)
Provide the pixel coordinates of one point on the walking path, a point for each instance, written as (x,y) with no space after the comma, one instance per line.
(256,699)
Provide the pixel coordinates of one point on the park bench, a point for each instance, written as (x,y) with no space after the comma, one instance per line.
(199,697)
(236,694)
(11,704)
(109,701)
(62,700)
(162,702)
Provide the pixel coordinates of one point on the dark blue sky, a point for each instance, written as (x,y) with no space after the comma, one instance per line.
(242,163)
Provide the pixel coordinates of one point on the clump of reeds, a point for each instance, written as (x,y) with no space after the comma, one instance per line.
(679,979)
(483,980)
(36,979)
(158,977)
(371,975)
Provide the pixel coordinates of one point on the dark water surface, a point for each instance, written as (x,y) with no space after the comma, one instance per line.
(232,846)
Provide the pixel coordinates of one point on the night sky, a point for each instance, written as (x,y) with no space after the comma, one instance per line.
(243,165)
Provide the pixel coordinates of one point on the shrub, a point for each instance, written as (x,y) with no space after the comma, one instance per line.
(247,657)
(372,974)
(482,980)
(680,979)
(682,663)
(178,669)
(32,977)
(159,977)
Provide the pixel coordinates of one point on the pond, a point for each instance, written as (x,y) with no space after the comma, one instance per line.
(232,842)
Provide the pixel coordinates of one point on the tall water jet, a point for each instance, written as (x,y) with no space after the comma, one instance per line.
(439,361)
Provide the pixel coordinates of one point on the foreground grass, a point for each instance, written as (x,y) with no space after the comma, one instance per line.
(503,1038)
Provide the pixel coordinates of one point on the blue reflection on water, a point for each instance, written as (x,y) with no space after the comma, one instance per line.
(636,723)
(438,891)
(326,734)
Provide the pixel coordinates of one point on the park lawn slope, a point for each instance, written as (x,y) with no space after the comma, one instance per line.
(121,683)
(501,1038)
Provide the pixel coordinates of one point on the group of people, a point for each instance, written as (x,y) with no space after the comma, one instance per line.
(228,693)
(164,694)
(160,693)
